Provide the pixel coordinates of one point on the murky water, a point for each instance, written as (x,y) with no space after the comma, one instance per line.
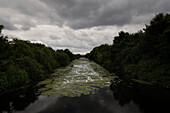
(83,87)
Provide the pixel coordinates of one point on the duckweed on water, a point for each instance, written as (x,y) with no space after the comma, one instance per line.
(80,77)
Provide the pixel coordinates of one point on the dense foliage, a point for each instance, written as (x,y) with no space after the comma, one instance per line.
(22,61)
(143,55)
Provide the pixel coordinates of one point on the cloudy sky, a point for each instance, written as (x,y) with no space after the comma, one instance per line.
(78,25)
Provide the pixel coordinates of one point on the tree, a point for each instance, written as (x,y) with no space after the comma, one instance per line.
(142,55)
(1,27)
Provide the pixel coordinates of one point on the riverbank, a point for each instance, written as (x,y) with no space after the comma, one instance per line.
(143,56)
(23,62)
(80,77)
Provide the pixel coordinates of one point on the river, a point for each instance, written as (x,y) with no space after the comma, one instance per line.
(84,87)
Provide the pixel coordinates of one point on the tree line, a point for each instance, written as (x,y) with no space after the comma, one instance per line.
(144,55)
(22,62)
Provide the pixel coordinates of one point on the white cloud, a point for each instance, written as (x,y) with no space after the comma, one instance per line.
(78,41)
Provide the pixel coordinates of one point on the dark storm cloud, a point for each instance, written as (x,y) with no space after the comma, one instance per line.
(78,13)
(88,13)
(25,14)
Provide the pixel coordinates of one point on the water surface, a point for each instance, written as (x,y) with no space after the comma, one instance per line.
(80,77)
(84,87)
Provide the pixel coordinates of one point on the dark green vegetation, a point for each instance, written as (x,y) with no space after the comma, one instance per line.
(144,55)
(22,62)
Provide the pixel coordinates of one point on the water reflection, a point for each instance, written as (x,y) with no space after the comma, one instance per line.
(150,99)
(123,99)
(17,100)
(42,103)
(65,92)
(101,102)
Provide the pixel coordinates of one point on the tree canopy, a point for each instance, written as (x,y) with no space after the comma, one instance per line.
(22,61)
(143,55)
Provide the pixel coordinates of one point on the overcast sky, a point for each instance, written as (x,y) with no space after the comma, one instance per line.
(78,25)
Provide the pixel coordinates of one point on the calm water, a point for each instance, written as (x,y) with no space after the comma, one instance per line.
(83,87)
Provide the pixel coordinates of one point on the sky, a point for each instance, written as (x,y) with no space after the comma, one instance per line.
(78,25)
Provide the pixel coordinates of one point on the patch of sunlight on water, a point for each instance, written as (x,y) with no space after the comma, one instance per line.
(76,79)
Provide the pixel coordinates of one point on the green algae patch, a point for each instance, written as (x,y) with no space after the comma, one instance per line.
(80,77)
